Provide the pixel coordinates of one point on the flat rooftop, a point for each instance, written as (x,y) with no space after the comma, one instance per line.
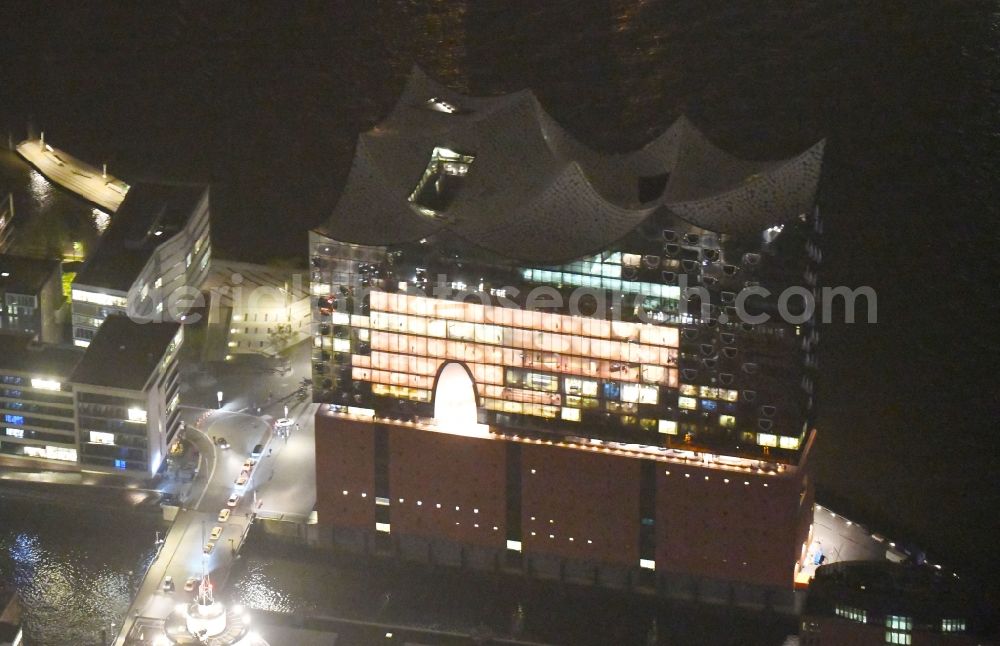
(248,277)
(150,215)
(19,354)
(124,353)
(25,275)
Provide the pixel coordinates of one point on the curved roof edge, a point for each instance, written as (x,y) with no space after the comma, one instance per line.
(531,175)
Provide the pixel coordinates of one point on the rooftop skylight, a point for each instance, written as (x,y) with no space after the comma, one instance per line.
(440,182)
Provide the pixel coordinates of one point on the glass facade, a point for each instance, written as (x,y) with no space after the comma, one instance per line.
(647,342)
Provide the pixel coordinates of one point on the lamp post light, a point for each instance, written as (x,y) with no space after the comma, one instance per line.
(218,396)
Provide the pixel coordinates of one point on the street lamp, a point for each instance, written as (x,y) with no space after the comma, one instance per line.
(218,396)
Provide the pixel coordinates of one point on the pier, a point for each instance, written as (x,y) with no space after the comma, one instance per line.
(92,184)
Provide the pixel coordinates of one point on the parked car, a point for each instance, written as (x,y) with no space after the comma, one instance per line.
(257,451)
(233,499)
(192,582)
(216,533)
(208,548)
(242,479)
(221,443)
(168,583)
(224,515)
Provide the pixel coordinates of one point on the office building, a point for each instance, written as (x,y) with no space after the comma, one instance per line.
(31,298)
(36,401)
(880,602)
(126,396)
(536,357)
(150,263)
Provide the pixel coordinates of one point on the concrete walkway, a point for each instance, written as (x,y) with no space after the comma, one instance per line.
(74,175)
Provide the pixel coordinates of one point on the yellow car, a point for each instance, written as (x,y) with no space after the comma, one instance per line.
(216,533)
(208,548)
(224,515)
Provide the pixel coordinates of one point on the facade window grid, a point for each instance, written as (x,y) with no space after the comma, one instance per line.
(952,625)
(854,614)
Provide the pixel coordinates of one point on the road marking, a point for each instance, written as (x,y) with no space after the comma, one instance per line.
(211,476)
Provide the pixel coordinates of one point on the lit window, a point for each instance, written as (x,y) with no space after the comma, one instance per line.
(571,414)
(854,614)
(59,453)
(767,439)
(45,384)
(952,625)
(97,437)
(514,546)
(791,443)
(15,432)
(137,415)
(895,622)
(649,395)
(727,421)
(688,403)
(668,427)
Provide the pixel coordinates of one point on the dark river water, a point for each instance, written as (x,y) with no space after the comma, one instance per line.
(265,102)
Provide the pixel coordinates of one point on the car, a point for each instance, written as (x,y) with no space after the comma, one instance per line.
(257,451)
(208,548)
(221,442)
(249,464)
(242,479)
(233,499)
(168,583)
(191,584)
(224,515)
(216,533)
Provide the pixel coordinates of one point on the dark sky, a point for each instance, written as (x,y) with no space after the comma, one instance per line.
(265,101)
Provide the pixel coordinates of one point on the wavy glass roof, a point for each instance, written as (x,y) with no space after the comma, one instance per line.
(535,193)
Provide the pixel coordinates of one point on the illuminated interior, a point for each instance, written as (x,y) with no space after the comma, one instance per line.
(454,399)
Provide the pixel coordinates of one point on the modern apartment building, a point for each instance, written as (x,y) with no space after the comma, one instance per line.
(870,603)
(36,401)
(536,357)
(151,261)
(31,298)
(126,396)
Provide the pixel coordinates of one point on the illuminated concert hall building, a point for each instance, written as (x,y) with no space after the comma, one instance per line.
(535,357)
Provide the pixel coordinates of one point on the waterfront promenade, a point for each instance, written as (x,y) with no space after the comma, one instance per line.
(106,191)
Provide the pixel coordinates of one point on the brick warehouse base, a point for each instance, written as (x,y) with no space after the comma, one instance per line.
(718,535)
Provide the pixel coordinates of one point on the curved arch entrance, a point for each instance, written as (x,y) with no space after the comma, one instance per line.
(455,398)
